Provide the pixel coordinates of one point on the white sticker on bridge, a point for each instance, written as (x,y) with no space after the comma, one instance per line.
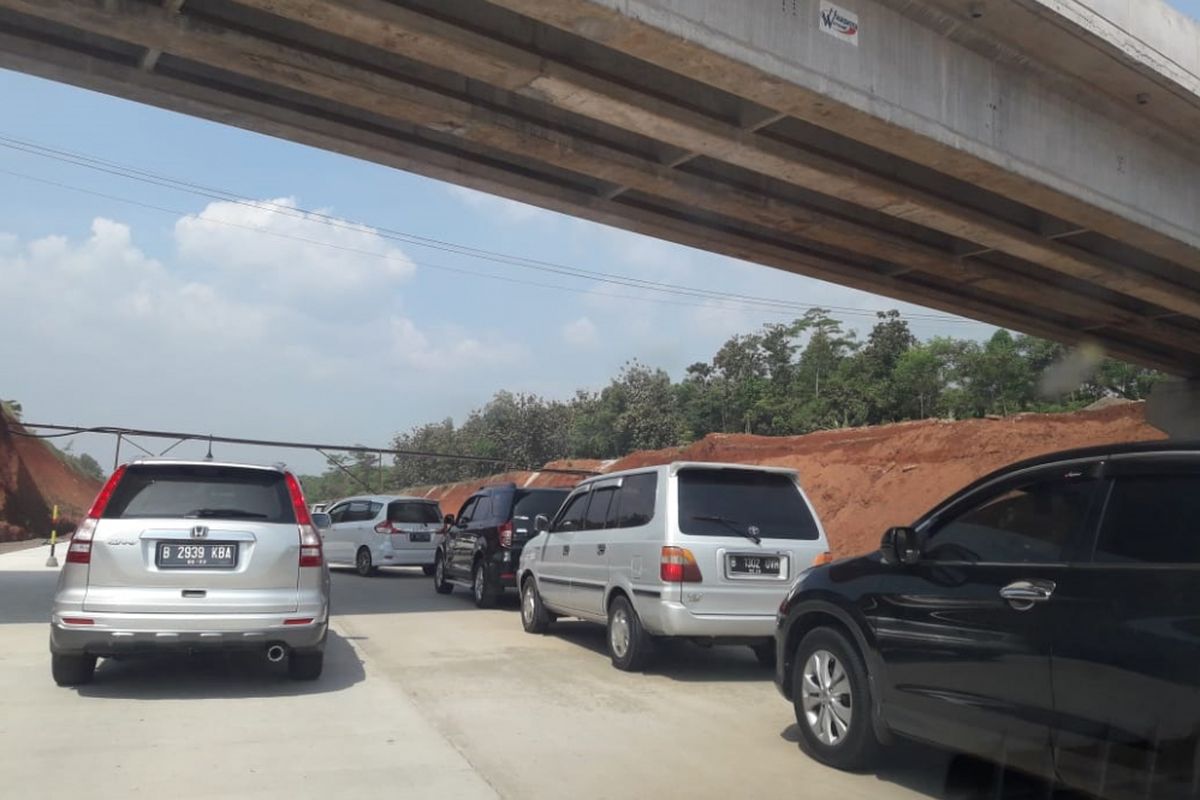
(838,22)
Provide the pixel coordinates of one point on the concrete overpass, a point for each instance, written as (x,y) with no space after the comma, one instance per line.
(1030,163)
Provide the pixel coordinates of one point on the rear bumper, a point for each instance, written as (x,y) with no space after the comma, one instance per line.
(504,566)
(667,618)
(118,634)
(414,557)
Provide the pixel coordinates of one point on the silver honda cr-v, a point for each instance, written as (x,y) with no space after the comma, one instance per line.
(185,555)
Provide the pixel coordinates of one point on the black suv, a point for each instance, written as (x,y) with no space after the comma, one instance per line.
(1046,618)
(483,544)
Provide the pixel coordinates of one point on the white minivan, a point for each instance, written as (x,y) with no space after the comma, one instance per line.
(691,550)
(384,531)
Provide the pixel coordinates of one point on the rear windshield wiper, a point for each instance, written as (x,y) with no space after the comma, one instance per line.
(224,512)
(732,524)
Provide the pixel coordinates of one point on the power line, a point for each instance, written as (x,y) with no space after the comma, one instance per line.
(72,430)
(175,184)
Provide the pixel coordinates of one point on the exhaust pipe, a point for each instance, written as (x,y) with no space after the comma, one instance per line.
(276,653)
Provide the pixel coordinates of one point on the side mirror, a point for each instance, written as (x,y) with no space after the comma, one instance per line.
(322,521)
(541,523)
(899,546)
(448,520)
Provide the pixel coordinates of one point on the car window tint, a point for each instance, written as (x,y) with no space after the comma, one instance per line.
(597,512)
(468,510)
(544,501)
(358,511)
(1027,524)
(1152,519)
(201,492)
(636,500)
(412,513)
(483,509)
(571,516)
(731,502)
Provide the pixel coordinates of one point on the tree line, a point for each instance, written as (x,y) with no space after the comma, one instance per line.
(784,379)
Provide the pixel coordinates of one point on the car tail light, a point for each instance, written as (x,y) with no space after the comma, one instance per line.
(679,566)
(78,621)
(822,558)
(385,527)
(80,549)
(506,534)
(310,540)
(298,621)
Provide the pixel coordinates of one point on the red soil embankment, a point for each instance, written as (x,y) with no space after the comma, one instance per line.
(32,481)
(862,480)
(450,496)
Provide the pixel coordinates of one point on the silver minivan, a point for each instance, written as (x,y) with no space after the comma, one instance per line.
(691,550)
(192,555)
(375,531)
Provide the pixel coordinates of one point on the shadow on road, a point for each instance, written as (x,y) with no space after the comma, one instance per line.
(941,774)
(399,590)
(219,675)
(674,659)
(26,597)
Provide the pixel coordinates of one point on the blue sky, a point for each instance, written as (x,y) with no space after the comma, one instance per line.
(116,314)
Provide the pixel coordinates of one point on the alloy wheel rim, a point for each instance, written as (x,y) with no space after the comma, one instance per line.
(364,561)
(439,572)
(528,606)
(479,583)
(826,697)
(619,635)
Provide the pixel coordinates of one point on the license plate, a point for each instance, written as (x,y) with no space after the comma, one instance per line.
(184,555)
(417,536)
(755,565)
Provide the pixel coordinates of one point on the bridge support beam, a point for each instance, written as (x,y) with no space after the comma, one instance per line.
(1174,408)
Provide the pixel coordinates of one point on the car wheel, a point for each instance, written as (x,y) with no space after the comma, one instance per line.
(72,670)
(427,569)
(765,653)
(440,584)
(629,646)
(362,562)
(305,666)
(482,586)
(832,699)
(534,617)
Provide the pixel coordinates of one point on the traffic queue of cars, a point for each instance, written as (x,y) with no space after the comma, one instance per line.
(1046,617)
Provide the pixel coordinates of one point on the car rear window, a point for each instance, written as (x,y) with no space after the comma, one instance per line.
(201,492)
(401,511)
(530,504)
(729,502)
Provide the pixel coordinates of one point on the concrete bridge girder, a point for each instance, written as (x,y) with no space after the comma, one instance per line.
(510,109)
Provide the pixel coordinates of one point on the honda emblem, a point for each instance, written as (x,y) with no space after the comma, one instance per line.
(199,532)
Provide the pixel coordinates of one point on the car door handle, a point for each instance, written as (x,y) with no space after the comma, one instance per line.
(600,549)
(1023,594)
(566,549)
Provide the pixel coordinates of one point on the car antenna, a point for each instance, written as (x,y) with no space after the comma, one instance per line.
(209,456)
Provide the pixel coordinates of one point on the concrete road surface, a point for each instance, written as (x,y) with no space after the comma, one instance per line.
(423,696)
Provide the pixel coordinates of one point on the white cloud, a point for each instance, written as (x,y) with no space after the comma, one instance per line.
(501,207)
(580,333)
(276,246)
(94,329)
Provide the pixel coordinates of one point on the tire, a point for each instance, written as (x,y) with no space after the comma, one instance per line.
(305,666)
(72,670)
(440,584)
(427,569)
(629,646)
(765,653)
(483,586)
(829,681)
(534,617)
(362,562)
